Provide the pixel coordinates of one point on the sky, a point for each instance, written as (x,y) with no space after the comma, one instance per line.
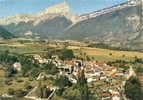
(12,7)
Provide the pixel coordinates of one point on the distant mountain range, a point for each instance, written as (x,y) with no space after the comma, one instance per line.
(116,26)
(49,23)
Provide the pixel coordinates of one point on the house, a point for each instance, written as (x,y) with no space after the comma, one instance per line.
(65,67)
(17,66)
(131,72)
(115,95)
(55,57)
(105,96)
(141,78)
(40,59)
(111,94)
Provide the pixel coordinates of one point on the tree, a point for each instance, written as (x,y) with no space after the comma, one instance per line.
(62,81)
(110,54)
(10,71)
(139,69)
(21,93)
(67,54)
(82,85)
(88,58)
(133,89)
(11,91)
(72,94)
(43,91)
(50,68)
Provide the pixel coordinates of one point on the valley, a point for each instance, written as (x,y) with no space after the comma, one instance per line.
(55,54)
(116,26)
(41,50)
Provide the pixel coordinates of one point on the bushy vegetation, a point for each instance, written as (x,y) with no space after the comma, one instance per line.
(64,54)
(43,91)
(120,64)
(82,86)
(30,66)
(49,68)
(62,81)
(135,63)
(139,69)
(67,54)
(72,93)
(133,89)
(106,46)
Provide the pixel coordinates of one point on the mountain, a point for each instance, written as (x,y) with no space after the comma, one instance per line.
(48,23)
(5,34)
(116,26)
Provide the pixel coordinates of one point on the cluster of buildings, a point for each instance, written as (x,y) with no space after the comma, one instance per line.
(94,71)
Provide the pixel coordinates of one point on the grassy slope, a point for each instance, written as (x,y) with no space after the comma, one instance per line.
(104,54)
(97,53)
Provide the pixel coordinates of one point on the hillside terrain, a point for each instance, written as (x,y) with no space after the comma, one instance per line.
(48,23)
(116,26)
(5,34)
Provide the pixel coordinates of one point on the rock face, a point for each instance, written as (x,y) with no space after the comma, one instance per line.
(59,8)
(48,23)
(116,25)
(49,13)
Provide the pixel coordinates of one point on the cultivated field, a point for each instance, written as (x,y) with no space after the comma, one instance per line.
(79,50)
(105,54)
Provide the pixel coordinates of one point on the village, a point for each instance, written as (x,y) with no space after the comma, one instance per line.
(95,71)
(106,78)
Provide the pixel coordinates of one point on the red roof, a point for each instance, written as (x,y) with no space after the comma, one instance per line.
(108,94)
(140,77)
(100,63)
(105,94)
(69,63)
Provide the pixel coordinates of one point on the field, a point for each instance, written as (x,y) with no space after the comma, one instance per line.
(79,50)
(105,54)
(19,83)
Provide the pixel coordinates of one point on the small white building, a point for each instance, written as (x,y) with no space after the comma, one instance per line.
(17,66)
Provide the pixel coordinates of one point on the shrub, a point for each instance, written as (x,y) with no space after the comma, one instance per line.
(8,82)
(11,91)
(133,89)
(67,54)
(43,91)
(72,94)
(19,81)
(29,87)
(62,81)
(20,93)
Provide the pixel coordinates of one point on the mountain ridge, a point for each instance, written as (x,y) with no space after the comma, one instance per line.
(116,25)
(61,9)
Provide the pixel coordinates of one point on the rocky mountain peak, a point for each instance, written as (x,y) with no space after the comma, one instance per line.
(57,8)
(48,13)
